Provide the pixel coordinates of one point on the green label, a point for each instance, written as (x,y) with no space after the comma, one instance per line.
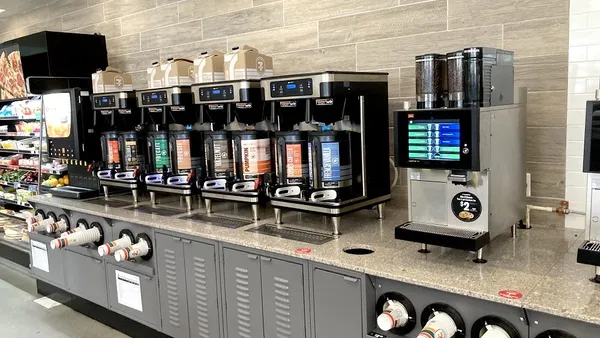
(161,153)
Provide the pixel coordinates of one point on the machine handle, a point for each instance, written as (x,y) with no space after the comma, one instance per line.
(316,145)
(186,241)
(350,279)
(210,157)
(252,256)
(265,259)
(280,159)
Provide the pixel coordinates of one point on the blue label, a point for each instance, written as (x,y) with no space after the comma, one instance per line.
(331,162)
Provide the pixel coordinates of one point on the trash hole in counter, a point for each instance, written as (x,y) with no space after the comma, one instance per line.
(359,250)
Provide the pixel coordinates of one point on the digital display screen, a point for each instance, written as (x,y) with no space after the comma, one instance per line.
(291,86)
(222,93)
(300,87)
(216,92)
(436,140)
(106,101)
(155,98)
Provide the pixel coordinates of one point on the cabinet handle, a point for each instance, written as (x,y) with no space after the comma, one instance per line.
(251,256)
(97,261)
(265,259)
(146,277)
(187,241)
(350,279)
(176,238)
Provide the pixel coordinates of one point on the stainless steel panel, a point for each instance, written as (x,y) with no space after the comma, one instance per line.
(427,200)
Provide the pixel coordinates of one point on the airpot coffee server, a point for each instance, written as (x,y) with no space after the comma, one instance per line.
(237,139)
(464,150)
(331,143)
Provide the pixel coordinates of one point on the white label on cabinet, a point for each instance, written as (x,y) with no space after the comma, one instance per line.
(415,175)
(129,291)
(39,255)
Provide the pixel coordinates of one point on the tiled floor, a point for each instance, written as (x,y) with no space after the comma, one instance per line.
(21,317)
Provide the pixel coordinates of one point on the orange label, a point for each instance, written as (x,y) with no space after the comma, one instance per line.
(113,151)
(293,160)
(256,157)
(184,158)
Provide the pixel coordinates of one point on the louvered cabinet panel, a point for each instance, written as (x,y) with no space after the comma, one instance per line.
(172,286)
(243,296)
(202,290)
(283,299)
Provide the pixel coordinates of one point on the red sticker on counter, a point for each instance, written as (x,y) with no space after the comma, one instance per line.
(303,251)
(510,294)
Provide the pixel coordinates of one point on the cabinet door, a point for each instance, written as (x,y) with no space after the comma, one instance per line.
(172,286)
(283,299)
(243,296)
(202,289)
(337,305)
(86,277)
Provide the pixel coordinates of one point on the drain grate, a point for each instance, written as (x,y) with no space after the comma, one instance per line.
(592,246)
(110,203)
(443,231)
(227,222)
(162,211)
(291,233)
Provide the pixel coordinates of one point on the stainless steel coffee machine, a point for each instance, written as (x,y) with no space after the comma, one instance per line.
(466,165)
(331,143)
(589,251)
(237,140)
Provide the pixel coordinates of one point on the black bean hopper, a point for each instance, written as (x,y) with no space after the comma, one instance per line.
(237,139)
(331,143)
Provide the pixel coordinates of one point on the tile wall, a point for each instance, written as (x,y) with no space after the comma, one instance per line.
(382,35)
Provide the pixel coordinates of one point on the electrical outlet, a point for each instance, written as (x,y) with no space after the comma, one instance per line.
(528,184)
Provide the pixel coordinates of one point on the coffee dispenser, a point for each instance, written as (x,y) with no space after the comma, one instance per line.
(331,143)
(589,252)
(466,163)
(118,119)
(174,146)
(237,142)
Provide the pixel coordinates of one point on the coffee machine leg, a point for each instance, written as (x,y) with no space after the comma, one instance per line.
(105,189)
(255,212)
(424,249)
(277,216)
(199,202)
(479,258)
(380,209)
(208,203)
(336,225)
(188,203)
(134,193)
(153,198)
(513,230)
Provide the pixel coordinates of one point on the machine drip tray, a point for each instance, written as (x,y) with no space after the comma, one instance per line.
(109,203)
(221,221)
(589,253)
(160,211)
(291,233)
(442,236)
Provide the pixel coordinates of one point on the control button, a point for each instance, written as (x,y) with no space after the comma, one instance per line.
(465,150)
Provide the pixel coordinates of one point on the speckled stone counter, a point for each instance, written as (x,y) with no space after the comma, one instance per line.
(540,263)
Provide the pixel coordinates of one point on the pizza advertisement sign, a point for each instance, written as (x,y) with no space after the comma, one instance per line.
(12,80)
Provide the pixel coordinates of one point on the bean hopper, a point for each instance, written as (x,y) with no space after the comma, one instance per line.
(331,143)
(117,118)
(175,152)
(237,142)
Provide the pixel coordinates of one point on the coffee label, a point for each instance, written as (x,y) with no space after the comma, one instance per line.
(161,153)
(256,158)
(112,152)
(131,156)
(184,158)
(223,162)
(293,160)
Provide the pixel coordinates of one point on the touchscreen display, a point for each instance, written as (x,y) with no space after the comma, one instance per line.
(436,140)
(57,111)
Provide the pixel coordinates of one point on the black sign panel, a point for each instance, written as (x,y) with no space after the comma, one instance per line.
(108,101)
(158,97)
(216,93)
(466,206)
(292,88)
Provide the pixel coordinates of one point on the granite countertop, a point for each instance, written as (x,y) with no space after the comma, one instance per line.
(540,263)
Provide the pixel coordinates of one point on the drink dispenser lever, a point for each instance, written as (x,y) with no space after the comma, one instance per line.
(142,248)
(92,235)
(125,240)
(440,322)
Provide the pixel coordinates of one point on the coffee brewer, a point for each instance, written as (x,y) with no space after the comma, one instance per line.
(175,152)
(589,252)
(331,142)
(118,119)
(466,165)
(237,141)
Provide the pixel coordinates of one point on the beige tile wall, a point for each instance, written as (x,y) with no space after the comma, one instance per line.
(383,35)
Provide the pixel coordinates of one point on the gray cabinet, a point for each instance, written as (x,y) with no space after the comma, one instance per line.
(243,294)
(86,277)
(172,290)
(283,298)
(337,305)
(46,264)
(202,289)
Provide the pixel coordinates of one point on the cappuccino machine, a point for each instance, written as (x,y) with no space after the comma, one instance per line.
(331,143)
(117,119)
(464,150)
(589,252)
(237,138)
